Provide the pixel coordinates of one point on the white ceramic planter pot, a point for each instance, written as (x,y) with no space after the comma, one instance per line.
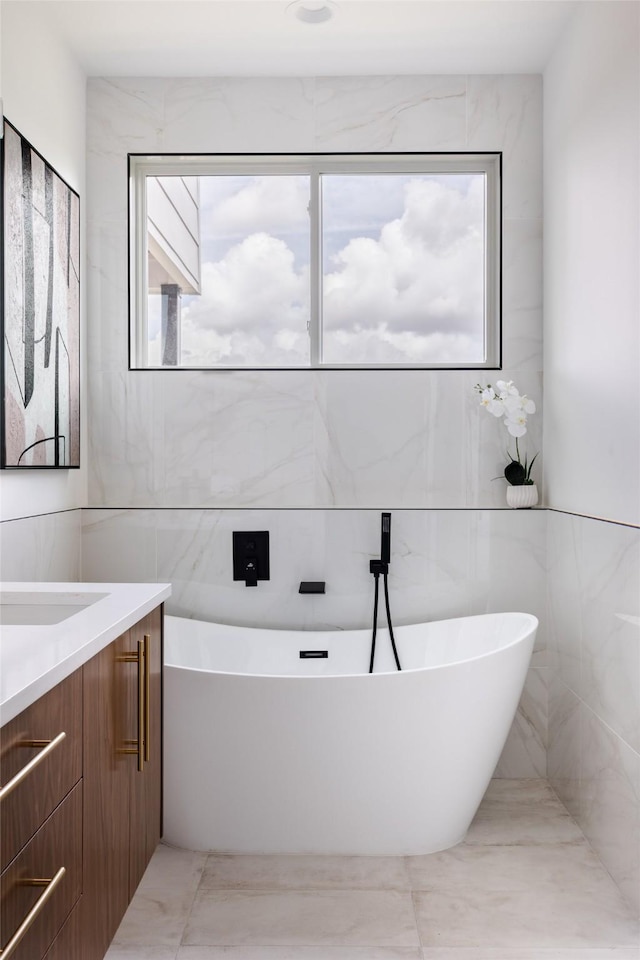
(522,497)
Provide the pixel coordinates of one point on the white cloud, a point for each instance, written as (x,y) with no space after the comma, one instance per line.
(442,219)
(253,308)
(424,274)
(382,346)
(273,204)
(254,287)
(207,347)
(414,294)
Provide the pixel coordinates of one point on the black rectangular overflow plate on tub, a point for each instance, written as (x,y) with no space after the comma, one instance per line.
(314,654)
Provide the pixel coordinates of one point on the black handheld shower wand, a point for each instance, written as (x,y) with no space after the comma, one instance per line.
(385,539)
(378,567)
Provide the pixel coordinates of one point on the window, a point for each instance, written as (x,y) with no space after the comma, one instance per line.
(322,261)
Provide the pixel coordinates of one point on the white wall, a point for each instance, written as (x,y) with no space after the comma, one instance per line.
(306,438)
(592,428)
(591,273)
(593,618)
(44,96)
(232,450)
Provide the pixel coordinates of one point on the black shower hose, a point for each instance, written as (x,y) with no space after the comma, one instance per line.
(375,621)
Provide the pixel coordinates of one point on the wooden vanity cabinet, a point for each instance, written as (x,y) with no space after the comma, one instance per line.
(145,789)
(68,944)
(22,740)
(86,806)
(41,818)
(57,844)
(122,777)
(106,801)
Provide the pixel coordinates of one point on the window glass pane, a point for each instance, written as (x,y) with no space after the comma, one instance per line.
(403,268)
(228,270)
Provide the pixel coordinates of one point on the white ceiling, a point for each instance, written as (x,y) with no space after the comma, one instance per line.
(260,38)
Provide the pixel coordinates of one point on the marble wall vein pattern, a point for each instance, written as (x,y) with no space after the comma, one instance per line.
(282,439)
(594,696)
(42,548)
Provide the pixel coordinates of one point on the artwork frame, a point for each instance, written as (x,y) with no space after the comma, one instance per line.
(39,311)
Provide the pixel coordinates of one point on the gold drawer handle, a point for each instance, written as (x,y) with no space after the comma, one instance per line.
(49,746)
(147,697)
(36,909)
(138,658)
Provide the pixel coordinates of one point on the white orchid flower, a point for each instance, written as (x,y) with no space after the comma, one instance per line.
(516,425)
(490,402)
(487,395)
(506,389)
(517,405)
(505,400)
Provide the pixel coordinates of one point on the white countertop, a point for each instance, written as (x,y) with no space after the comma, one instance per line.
(33,659)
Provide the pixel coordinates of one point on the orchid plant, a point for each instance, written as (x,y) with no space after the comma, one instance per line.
(505,401)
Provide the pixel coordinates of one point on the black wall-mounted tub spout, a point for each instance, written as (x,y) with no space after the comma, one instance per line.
(251,573)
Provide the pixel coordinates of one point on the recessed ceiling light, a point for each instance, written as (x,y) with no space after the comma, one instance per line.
(312,11)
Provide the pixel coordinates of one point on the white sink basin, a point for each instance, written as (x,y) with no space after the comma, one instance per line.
(40,608)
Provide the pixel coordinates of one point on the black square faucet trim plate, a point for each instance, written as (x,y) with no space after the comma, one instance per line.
(251,556)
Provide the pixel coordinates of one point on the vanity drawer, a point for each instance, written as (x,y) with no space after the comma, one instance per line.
(26,807)
(57,844)
(68,945)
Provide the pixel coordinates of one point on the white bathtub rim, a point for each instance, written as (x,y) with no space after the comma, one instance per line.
(530,622)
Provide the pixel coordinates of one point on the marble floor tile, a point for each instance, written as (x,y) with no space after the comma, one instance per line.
(524,827)
(504,792)
(515,918)
(309,918)
(305,873)
(116,952)
(299,953)
(522,812)
(173,868)
(155,918)
(536,869)
(524,886)
(541,953)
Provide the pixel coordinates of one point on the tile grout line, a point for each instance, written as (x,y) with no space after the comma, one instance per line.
(301,889)
(411,885)
(193,900)
(413,907)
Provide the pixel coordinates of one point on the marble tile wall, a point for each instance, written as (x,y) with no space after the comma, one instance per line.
(594,696)
(444,563)
(41,548)
(182,458)
(305,439)
(257,442)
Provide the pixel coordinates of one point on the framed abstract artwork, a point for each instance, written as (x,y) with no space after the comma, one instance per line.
(39,311)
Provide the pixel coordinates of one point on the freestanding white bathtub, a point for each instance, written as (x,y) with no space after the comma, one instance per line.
(268,752)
